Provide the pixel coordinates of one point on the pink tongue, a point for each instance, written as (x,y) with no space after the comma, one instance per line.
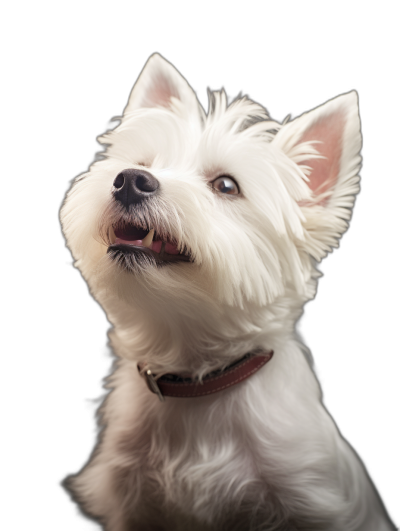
(156,246)
(171,248)
(129,242)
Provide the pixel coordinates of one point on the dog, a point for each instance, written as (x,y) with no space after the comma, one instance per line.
(199,234)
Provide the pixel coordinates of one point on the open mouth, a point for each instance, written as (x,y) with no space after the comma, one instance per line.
(145,245)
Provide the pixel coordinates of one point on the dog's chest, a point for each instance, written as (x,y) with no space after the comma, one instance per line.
(196,470)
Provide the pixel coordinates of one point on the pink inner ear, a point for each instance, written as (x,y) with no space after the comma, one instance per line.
(160,92)
(329,131)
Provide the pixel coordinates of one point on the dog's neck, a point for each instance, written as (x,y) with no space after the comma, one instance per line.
(192,331)
(198,341)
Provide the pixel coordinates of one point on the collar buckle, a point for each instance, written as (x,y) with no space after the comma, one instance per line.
(152,384)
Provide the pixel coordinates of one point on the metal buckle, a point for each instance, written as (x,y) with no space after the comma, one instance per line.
(152,384)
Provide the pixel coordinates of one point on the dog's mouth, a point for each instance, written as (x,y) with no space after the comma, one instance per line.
(145,245)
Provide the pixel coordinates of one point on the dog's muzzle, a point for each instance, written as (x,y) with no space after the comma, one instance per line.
(132,243)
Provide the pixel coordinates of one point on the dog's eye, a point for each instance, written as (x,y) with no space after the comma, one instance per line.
(225,185)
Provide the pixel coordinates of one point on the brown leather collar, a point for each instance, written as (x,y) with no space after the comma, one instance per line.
(173,385)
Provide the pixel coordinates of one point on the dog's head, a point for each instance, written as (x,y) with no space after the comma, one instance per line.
(226,208)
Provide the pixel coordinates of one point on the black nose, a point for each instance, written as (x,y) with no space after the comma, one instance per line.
(133,186)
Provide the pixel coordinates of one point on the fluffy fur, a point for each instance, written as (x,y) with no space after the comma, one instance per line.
(264,454)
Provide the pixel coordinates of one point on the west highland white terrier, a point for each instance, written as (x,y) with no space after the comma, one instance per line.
(199,235)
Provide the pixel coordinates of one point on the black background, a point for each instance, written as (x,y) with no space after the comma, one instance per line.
(77,73)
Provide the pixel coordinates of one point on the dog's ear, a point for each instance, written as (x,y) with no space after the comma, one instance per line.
(325,143)
(158,85)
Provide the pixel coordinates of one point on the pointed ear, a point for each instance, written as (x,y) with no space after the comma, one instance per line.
(158,85)
(325,143)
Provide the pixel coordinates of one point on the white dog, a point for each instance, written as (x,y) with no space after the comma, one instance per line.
(199,236)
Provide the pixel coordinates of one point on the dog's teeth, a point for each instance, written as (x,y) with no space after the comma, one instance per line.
(111,235)
(147,241)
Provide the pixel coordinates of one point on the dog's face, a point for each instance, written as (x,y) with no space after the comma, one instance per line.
(229,208)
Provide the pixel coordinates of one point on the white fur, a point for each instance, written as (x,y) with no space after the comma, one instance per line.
(264,454)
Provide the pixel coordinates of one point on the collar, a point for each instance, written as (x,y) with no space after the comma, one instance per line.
(179,387)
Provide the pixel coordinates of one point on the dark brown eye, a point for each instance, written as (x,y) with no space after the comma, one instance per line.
(225,185)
